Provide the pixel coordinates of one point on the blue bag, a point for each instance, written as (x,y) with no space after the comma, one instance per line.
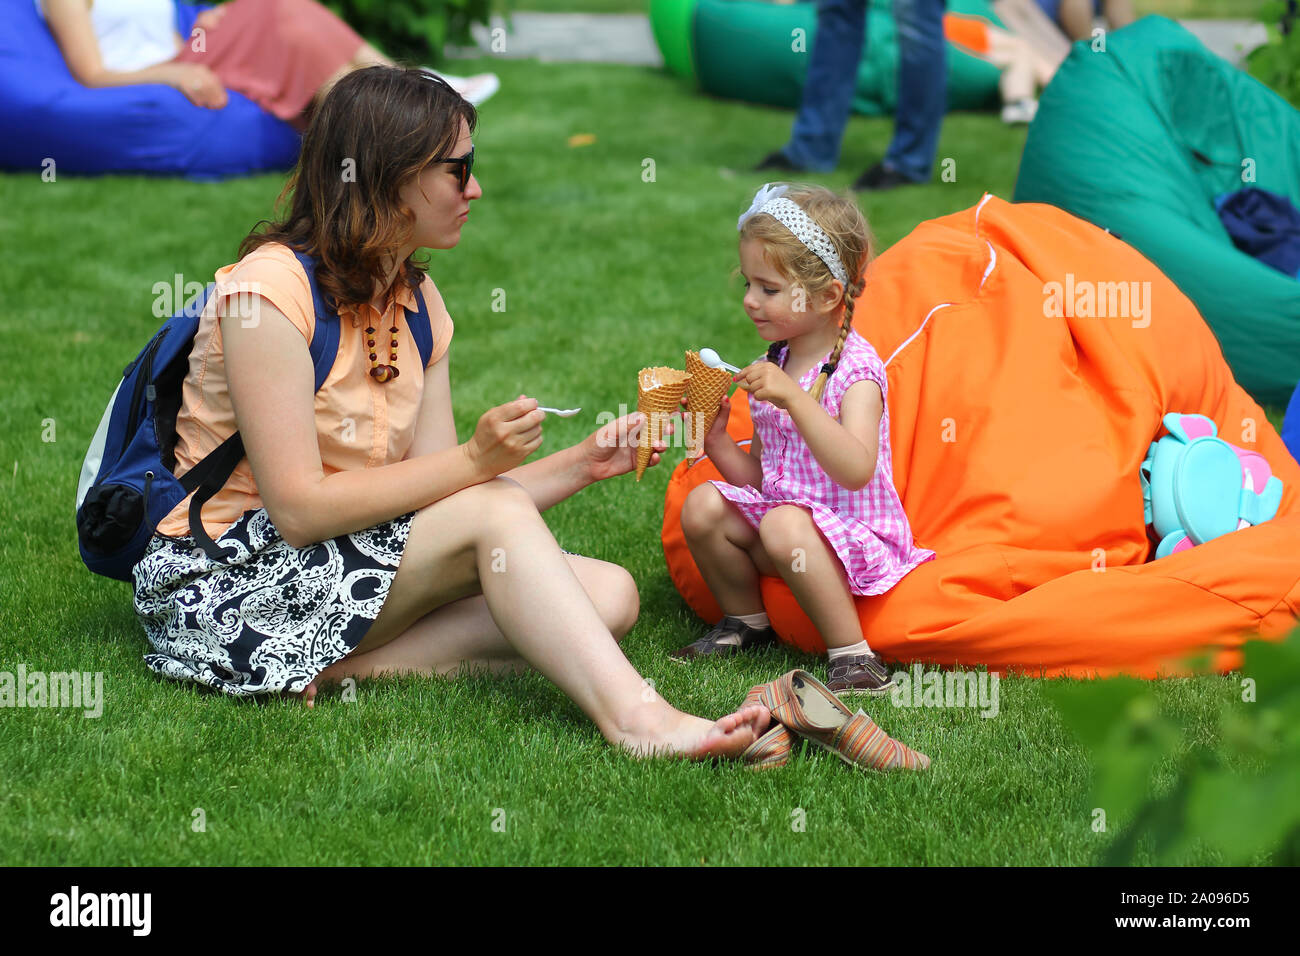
(127,483)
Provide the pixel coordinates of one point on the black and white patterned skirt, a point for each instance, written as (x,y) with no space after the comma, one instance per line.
(274,616)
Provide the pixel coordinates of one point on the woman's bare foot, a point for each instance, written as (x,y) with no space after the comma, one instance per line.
(674,734)
(326,677)
(666,732)
(308,694)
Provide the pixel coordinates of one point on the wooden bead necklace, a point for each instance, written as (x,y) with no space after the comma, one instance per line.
(382,373)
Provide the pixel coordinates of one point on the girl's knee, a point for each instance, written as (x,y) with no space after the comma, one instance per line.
(702,511)
(784,527)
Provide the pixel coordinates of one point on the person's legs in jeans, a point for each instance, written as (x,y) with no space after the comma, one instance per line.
(922,88)
(828,88)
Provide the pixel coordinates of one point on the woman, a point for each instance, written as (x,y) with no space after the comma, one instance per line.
(365,540)
(282,54)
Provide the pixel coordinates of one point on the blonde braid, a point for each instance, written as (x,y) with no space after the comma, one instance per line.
(846,324)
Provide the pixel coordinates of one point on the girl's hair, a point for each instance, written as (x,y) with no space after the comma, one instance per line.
(373,131)
(846,227)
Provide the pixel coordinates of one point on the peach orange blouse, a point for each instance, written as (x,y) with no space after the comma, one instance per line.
(359,422)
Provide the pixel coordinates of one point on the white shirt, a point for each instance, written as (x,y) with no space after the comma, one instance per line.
(132,34)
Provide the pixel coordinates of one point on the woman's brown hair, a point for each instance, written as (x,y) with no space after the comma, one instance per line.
(846,227)
(374,130)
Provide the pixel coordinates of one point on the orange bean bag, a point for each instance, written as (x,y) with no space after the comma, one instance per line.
(1019,421)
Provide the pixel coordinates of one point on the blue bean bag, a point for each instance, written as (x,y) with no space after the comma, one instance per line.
(47,115)
(1291,425)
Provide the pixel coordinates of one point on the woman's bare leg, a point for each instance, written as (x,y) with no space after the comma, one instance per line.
(1118,13)
(462,635)
(1015,58)
(489,539)
(1076,18)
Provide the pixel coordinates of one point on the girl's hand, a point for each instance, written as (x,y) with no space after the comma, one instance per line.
(718,430)
(768,382)
(504,437)
(199,84)
(611,450)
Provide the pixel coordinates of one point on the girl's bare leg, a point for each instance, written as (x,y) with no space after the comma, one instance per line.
(813,571)
(727,550)
(489,539)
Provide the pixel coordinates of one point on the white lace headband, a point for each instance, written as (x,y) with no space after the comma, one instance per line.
(771,200)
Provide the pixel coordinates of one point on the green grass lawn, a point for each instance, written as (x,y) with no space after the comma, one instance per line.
(1222,9)
(603,273)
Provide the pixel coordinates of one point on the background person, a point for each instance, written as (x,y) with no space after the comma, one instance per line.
(818,130)
(281,54)
(1076,17)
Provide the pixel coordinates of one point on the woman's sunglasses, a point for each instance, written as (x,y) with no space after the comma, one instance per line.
(465,166)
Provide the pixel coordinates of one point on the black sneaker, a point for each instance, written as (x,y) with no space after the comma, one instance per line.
(881,177)
(778,160)
(860,674)
(708,646)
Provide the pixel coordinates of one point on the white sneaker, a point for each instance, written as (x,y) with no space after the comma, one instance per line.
(1021,111)
(475,88)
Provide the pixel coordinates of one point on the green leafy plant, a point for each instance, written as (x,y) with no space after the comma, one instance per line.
(1238,798)
(1277,63)
(415,30)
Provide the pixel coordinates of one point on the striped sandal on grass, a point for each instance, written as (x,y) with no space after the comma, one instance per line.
(771,750)
(804,705)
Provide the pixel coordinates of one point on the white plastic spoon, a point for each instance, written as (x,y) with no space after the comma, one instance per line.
(711,359)
(561,412)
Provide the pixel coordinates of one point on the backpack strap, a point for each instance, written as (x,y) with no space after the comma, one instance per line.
(211,474)
(205,479)
(325,339)
(421,328)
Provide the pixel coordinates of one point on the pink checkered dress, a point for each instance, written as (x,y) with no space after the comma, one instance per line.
(868,528)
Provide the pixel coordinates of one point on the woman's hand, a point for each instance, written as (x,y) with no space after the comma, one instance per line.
(199,84)
(210,18)
(768,382)
(505,436)
(611,450)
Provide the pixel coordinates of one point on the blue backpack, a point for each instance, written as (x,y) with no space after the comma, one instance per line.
(127,483)
(1197,487)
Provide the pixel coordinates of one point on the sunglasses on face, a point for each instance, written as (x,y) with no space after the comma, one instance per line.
(464,167)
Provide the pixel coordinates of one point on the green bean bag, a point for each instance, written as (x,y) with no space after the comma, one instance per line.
(747,50)
(1140,139)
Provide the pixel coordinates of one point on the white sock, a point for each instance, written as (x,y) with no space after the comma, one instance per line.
(753,620)
(853,649)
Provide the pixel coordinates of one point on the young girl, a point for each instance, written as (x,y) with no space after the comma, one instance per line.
(813,501)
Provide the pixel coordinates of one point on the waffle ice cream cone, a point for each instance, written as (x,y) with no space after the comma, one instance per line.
(658,394)
(704,394)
